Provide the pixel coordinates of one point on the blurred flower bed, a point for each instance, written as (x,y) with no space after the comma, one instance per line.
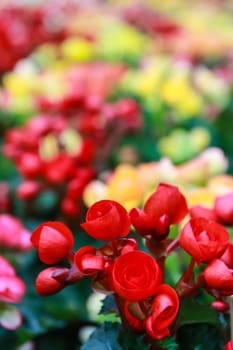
(107,100)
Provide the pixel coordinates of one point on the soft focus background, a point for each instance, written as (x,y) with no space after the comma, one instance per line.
(104,99)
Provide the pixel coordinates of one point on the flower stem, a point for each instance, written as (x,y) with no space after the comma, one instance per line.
(189,272)
(172,246)
(114,248)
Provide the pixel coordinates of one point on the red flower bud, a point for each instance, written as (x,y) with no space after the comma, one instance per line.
(220,305)
(53,240)
(164,207)
(219,276)
(223,207)
(46,284)
(164,311)
(107,220)
(29,165)
(167,200)
(135,276)
(70,207)
(87,261)
(27,190)
(204,239)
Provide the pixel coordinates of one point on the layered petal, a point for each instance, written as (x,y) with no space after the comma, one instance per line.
(87,262)
(165,308)
(135,276)
(219,276)
(106,220)
(204,239)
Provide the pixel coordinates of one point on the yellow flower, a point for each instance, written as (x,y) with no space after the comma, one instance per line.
(201,196)
(18,85)
(94,191)
(121,40)
(77,50)
(125,186)
(178,93)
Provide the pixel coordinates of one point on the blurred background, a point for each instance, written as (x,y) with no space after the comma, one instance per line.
(104,99)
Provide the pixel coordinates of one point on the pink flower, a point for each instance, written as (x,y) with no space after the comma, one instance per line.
(223,208)
(12,288)
(13,234)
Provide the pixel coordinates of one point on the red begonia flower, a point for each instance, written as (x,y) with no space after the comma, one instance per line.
(135,276)
(204,239)
(163,208)
(87,262)
(223,208)
(54,241)
(165,308)
(219,276)
(46,284)
(229,345)
(106,220)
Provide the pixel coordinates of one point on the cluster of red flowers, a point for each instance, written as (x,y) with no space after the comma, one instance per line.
(137,278)
(21,30)
(62,148)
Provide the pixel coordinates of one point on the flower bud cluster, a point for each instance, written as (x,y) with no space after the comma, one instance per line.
(136,277)
(60,150)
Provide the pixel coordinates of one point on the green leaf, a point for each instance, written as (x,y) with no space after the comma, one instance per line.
(104,338)
(200,336)
(168,343)
(193,312)
(108,305)
(131,340)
